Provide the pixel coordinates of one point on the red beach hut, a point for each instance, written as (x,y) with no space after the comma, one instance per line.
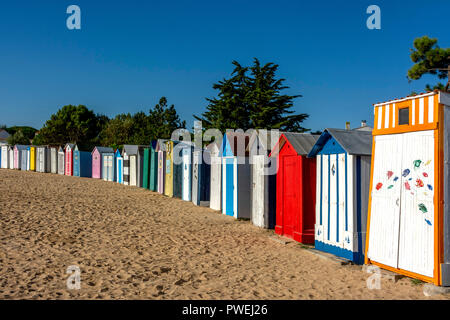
(69,159)
(296,186)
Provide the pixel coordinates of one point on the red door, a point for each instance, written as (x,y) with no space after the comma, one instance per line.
(291,208)
(69,163)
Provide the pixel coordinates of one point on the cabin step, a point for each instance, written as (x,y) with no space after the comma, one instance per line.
(330,257)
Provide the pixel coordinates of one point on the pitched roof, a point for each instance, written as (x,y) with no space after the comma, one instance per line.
(235,140)
(355,142)
(301,142)
(21,147)
(266,138)
(4,135)
(70,145)
(161,145)
(132,149)
(104,149)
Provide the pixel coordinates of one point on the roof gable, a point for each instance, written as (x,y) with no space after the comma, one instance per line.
(235,144)
(302,143)
(353,142)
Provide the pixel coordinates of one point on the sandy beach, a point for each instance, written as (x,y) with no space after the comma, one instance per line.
(131,243)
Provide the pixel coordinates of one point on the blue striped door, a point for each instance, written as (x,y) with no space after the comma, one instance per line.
(230,187)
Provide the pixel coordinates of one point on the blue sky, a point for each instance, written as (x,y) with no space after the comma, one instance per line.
(129,53)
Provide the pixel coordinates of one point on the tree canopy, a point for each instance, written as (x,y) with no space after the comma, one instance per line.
(252,98)
(18,138)
(429,58)
(141,128)
(75,124)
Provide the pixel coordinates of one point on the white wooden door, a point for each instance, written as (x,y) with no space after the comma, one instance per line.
(186,177)
(385,204)
(258,191)
(416,243)
(402,213)
(132,170)
(216,174)
(196,159)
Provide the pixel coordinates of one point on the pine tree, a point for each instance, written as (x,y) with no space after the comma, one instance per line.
(428,58)
(252,98)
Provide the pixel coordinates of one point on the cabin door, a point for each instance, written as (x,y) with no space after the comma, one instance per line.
(186,177)
(69,163)
(258,190)
(291,201)
(119,170)
(76,164)
(132,170)
(228,186)
(196,159)
(402,208)
(216,181)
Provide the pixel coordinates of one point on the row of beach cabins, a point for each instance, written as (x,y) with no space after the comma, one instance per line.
(376,196)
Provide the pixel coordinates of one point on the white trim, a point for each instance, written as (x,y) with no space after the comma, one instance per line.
(393,115)
(413,112)
(430,108)
(386,116)
(421,110)
(380,110)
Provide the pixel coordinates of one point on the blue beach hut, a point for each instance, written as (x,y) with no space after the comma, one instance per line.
(118,173)
(236,175)
(82,163)
(343,160)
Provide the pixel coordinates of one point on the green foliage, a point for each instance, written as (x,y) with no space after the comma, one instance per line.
(140,128)
(28,132)
(427,58)
(74,124)
(18,138)
(252,98)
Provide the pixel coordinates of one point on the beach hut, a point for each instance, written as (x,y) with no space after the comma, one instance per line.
(215,191)
(24,164)
(107,172)
(18,154)
(236,184)
(153,174)
(150,167)
(133,156)
(408,228)
(263,177)
(61,160)
(119,167)
(43,159)
(168,183)
(201,177)
(11,157)
(32,158)
(161,150)
(68,161)
(342,190)
(146,168)
(82,163)
(296,186)
(178,169)
(97,160)
(186,168)
(53,159)
(5,156)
